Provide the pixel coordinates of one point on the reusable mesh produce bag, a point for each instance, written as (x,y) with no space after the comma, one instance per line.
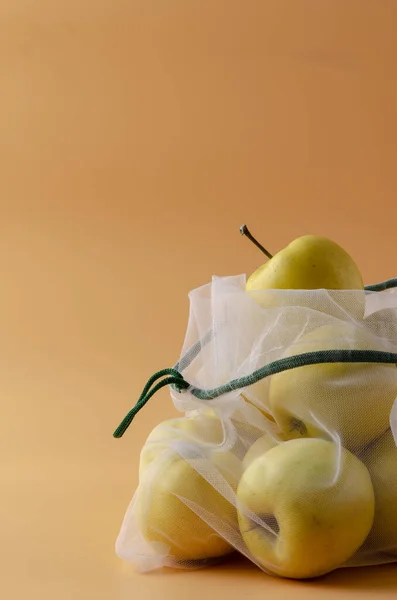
(285,450)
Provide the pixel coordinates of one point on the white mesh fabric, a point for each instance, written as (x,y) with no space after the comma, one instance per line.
(197,501)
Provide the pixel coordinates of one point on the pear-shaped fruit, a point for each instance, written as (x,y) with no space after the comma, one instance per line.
(304,507)
(350,401)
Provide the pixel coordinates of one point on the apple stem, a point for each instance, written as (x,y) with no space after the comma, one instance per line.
(245,231)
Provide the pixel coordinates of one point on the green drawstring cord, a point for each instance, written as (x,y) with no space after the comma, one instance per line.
(177,381)
(283,364)
(382,286)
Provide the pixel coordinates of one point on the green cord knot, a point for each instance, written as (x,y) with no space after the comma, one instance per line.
(176,380)
(173,378)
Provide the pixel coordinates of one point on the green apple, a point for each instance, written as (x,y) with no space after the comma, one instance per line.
(304,507)
(180,504)
(381,461)
(350,401)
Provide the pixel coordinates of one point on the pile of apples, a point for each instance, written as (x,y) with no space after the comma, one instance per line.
(295,499)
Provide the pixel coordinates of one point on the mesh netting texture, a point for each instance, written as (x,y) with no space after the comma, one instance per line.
(285,450)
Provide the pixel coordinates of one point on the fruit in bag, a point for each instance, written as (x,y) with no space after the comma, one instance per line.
(258,448)
(381,461)
(203,429)
(349,401)
(184,490)
(293,466)
(304,507)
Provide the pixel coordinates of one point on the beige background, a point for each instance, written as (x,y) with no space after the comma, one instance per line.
(136,136)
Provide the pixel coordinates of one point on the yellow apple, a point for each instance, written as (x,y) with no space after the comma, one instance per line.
(307,263)
(310,262)
(351,401)
(204,429)
(180,503)
(262,445)
(381,461)
(383,323)
(304,507)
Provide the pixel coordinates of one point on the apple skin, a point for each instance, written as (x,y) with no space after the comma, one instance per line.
(171,465)
(307,263)
(204,429)
(258,448)
(381,461)
(318,502)
(346,401)
(163,516)
(383,324)
(310,263)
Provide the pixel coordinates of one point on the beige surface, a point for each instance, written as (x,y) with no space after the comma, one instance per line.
(136,137)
